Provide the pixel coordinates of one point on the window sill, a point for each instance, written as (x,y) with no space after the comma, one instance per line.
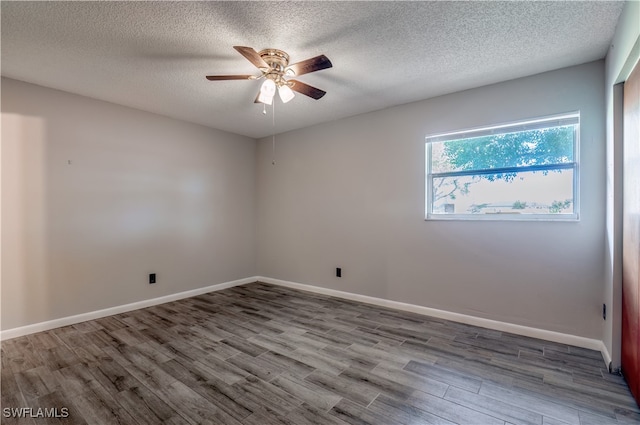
(503,217)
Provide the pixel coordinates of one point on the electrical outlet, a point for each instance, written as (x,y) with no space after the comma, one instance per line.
(338,272)
(152,278)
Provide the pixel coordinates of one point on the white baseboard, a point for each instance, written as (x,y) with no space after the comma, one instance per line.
(547,335)
(605,355)
(83,317)
(578,341)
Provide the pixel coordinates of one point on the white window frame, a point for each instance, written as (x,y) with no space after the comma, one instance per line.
(523,125)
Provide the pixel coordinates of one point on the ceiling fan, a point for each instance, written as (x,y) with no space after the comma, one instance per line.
(274,67)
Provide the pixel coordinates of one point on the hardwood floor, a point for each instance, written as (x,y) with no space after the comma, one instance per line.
(261,354)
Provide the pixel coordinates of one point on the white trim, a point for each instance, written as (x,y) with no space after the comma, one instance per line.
(83,317)
(606,356)
(568,339)
(633,58)
(578,341)
(558,120)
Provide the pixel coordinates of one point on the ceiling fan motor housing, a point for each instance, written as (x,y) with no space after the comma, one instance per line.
(276,59)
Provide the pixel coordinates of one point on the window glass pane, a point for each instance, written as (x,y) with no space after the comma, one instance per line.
(544,146)
(531,192)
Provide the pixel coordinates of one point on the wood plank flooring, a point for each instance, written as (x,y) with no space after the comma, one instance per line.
(261,354)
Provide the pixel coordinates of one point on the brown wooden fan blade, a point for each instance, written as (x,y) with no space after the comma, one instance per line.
(306,89)
(310,65)
(228,77)
(252,56)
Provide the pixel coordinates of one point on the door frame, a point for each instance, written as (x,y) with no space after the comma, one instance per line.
(630,341)
(615,161)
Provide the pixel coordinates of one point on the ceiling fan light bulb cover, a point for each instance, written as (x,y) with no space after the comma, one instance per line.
(267,91)
(286,94)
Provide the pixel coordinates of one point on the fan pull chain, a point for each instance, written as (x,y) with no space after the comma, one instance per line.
(273,137)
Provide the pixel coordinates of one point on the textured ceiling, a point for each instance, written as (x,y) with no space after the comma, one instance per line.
(155,55)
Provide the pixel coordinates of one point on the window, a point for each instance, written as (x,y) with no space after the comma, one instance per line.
(524,171)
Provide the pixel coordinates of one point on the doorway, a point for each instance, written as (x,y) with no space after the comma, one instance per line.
(630,354)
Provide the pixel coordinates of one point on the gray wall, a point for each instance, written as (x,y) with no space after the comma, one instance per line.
(351,194)
(620,59)
(142,194)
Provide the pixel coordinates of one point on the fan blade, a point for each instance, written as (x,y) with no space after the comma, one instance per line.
(306,89)
(229,77)
(310,65)
(252,56)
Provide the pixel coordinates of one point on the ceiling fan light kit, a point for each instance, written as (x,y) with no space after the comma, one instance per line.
(274,67)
